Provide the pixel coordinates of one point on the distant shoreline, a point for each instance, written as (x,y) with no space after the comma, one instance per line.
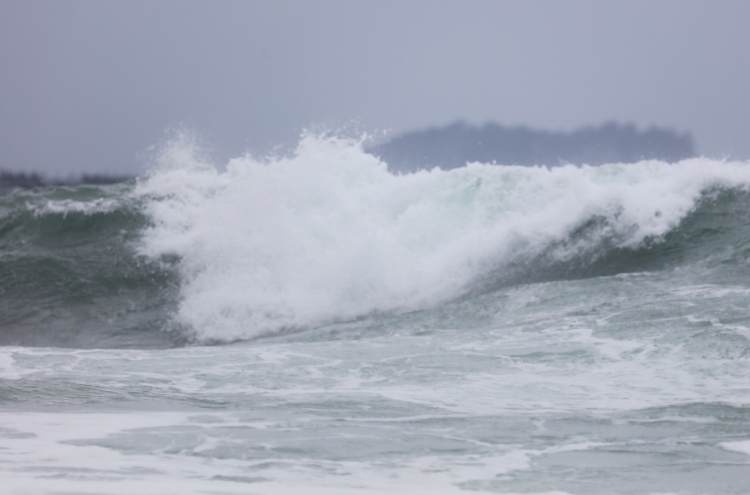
(459,143)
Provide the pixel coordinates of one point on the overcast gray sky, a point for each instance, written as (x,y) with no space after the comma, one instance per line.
(90,85)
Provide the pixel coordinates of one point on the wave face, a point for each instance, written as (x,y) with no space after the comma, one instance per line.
(198,254)
(71,277)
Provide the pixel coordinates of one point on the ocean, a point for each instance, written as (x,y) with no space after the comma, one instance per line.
(314,324)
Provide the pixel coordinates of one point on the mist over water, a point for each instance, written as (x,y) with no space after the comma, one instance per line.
(316,321)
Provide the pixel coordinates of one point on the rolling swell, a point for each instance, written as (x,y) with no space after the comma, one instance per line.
(70,276)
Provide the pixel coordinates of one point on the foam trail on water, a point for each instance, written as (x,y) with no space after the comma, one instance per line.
(328,234)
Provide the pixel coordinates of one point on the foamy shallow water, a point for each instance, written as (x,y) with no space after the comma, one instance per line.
(564,387)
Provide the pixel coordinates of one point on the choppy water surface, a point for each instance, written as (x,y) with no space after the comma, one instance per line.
(317,325)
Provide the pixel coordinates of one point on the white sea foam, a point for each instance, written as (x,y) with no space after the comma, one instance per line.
(96,453)
(328,234)
(6,365)
(742,446)
(65,206)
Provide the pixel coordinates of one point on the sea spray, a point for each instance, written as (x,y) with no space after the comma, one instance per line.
(327,234)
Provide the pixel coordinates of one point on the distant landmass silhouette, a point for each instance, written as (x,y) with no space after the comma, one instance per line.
(457,144)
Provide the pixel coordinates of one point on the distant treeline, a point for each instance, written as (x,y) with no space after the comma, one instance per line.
(456,144)
(12,180)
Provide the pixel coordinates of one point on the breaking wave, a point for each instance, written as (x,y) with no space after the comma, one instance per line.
(328,234)
(205,254)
